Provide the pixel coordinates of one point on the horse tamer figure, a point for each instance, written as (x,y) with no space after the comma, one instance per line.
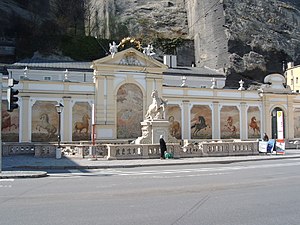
(157,108)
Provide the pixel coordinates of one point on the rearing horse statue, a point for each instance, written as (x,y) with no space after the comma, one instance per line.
(157,108)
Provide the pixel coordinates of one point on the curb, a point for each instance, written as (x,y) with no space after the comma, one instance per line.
(152,164)
(22,174)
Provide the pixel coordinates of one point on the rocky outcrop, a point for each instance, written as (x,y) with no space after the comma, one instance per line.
(141,18)
(262,35)
(246,38)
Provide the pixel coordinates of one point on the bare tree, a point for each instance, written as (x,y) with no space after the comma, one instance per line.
(69,15)
(92,24)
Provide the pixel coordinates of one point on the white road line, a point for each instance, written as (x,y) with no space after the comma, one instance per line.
(212,170)
(7,180)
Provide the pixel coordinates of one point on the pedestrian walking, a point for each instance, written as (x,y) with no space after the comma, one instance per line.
(163,147)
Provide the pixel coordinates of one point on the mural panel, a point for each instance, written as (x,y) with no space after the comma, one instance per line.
(297,123)
(230,122)
(173,113)
(81,120)
(129,111)
(44,121)
(201,118)
(10,124)
(254,123)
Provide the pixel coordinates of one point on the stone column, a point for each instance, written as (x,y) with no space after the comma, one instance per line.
(243,121)
(289,119)
(110,101)
(216,121)
(66,135)
(100,117)
(266,116)
(186,122)
(24,122)
(105,107)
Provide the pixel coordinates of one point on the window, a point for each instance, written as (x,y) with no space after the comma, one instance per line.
(47,78)
(296,80)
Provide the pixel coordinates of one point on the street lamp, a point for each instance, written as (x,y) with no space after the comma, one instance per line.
(59,108)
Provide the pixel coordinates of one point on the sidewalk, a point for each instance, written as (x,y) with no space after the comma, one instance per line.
(18,166)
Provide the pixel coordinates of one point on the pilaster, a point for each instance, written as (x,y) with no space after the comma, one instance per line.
(216,120)
(243,121)
(67,119)
(185,122)
(25,121)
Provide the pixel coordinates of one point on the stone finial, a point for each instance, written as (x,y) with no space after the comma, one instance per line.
(113,48)
(183,81)
(213,83)
(241,88)
(25,73)
(148,50)
(66,76)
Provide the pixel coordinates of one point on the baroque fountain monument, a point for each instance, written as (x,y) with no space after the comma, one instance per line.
(154,123)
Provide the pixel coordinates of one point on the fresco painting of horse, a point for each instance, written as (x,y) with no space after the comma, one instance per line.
(44,121)
(230,127)
(201,122)
(81,115)
(173,113)
(254,125)
(253,122)
(230,122)
(46,125)
(129,111)
(199,125)
(83,125)
(9,124)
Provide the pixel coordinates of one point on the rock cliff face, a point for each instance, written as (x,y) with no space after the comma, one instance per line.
(166,18)
(246,38)
(262,35)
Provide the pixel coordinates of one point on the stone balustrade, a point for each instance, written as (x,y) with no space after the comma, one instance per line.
(11,148)
(84,150)
(134,151)
(141,151)
(234,148)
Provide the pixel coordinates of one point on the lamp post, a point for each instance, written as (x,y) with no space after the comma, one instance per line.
(59,108)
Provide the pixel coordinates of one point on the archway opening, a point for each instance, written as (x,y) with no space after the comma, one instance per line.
(278,123)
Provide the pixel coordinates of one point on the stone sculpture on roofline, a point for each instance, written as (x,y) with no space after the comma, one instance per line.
(154,123)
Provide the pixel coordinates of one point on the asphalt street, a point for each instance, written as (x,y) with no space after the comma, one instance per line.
(241,193)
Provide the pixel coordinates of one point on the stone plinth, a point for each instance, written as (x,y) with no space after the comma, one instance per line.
(151,131)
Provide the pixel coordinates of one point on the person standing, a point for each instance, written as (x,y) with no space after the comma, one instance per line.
(265,138)
(163,147)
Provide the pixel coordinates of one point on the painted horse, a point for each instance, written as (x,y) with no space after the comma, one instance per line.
(79,126)
(253,124)
(46,125)
(201,124)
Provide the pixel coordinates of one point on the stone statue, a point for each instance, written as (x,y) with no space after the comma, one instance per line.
(148,50)
(113,48)
(157,108)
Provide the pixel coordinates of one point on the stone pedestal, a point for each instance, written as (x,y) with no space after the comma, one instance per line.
(151,131)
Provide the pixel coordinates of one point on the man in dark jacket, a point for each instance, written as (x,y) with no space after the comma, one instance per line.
(163,147)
